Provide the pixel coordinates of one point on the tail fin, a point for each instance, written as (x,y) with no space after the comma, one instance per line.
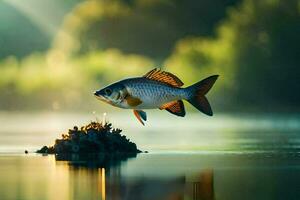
(197,92)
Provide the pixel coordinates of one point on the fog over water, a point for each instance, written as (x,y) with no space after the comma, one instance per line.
(225,132)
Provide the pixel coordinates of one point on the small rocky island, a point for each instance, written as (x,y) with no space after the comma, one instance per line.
(94,138)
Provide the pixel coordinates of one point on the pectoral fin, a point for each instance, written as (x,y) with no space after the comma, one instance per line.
(174,107)
(140,115)
(133,101)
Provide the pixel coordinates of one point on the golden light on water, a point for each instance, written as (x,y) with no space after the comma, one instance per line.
(103,191)
(44,176)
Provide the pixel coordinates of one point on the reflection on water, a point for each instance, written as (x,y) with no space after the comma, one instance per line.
(101,184)
(104,173)
(196,158)
(44,178)
(95,160)
(156,176)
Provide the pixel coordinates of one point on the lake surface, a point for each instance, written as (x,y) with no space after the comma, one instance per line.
(195,158)
(154,176)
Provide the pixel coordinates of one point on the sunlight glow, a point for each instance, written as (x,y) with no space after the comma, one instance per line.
(35,11)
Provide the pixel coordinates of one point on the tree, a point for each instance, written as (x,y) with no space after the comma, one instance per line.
(255,51)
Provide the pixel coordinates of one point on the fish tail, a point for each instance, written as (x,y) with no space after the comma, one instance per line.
(196,94)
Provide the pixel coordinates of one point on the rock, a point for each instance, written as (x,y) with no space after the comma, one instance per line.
(93,138)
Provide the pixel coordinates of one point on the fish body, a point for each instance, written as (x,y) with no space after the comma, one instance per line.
(156,89)
(153,94)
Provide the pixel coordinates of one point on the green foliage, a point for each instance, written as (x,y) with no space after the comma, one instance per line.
(54,81)
(267,49)
(254,50)
(145,27)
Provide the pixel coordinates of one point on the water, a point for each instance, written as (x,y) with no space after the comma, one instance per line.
(195,158)
(20,131)
(154,176)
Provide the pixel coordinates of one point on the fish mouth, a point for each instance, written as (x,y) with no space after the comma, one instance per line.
(100,97)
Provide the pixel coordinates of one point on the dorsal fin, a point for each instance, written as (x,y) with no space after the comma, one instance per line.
(164,77)
(174,107)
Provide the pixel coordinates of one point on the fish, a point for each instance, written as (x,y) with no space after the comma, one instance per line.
(157,89)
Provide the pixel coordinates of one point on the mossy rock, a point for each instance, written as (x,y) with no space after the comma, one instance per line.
(94,138)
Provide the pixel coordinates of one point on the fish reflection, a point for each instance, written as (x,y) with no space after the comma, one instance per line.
(108,183)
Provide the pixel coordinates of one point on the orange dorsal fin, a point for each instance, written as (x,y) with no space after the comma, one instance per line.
(164,77)
(140,115)
(174,107)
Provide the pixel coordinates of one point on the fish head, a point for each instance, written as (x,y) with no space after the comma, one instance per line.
(113,94)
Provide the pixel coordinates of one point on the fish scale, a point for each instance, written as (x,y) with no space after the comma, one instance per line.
(152,93)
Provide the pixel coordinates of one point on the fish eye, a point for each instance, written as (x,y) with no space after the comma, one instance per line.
(108,91)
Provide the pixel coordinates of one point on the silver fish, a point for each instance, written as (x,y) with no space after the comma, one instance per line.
(157,89)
